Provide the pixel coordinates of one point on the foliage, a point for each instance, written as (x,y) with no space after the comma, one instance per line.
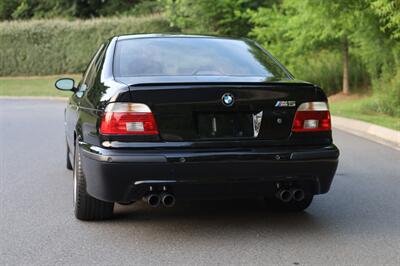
(7,8)
(389,15)
(226,17)
(41,47)
(306,25)
(324,68)
(147,7)
(387,96)
(296,30)
(25,9)
(307,35)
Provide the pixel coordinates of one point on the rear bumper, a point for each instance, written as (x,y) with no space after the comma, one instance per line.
(126,175)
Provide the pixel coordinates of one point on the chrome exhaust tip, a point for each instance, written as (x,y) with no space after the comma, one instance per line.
(284,195)
(297,194)
(153,200)
(168,200)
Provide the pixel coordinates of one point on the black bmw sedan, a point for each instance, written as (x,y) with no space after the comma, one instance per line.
(170,117)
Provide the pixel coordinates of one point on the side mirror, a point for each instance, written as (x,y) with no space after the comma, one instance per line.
(65,84)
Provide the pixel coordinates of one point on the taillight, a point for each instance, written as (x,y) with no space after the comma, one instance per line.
(311,117)
(128,118)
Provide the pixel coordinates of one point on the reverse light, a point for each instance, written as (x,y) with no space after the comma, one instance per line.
(311,117)
(128,119)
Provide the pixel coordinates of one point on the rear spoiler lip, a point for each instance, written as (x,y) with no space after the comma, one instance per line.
(278,83)
(205,80)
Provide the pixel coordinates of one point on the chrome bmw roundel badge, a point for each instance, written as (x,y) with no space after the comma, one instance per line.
(228,99)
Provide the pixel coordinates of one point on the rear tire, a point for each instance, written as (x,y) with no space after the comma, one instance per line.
(69,164)
(291,206)
(86,207)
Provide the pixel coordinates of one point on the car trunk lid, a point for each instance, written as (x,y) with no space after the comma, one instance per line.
(197,111)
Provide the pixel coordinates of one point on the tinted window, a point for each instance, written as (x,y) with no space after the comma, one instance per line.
(179,56)
(91,70)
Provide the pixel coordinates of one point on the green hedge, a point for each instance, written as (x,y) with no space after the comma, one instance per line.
(43,47)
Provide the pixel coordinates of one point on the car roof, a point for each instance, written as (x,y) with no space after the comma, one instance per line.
(168,35)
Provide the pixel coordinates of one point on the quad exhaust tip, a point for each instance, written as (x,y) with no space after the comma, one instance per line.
(297,194)
(153,200)
(284,195)
(168,200)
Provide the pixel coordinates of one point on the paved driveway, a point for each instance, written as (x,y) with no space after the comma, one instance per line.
(357,222)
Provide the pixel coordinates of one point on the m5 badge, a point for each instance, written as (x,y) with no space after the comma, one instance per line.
(285,104)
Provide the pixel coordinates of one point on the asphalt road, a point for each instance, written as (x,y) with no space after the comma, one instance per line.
(357,222)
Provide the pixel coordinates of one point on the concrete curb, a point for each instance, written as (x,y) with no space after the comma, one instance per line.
(34,98)
(369,131)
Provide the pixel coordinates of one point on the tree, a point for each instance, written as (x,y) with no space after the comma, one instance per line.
(310,25)
(227,17)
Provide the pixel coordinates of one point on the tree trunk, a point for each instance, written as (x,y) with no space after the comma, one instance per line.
(345,67)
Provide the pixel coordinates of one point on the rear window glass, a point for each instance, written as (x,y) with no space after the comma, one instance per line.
(179,56)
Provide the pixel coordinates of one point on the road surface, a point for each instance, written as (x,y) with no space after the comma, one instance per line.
(357,222)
